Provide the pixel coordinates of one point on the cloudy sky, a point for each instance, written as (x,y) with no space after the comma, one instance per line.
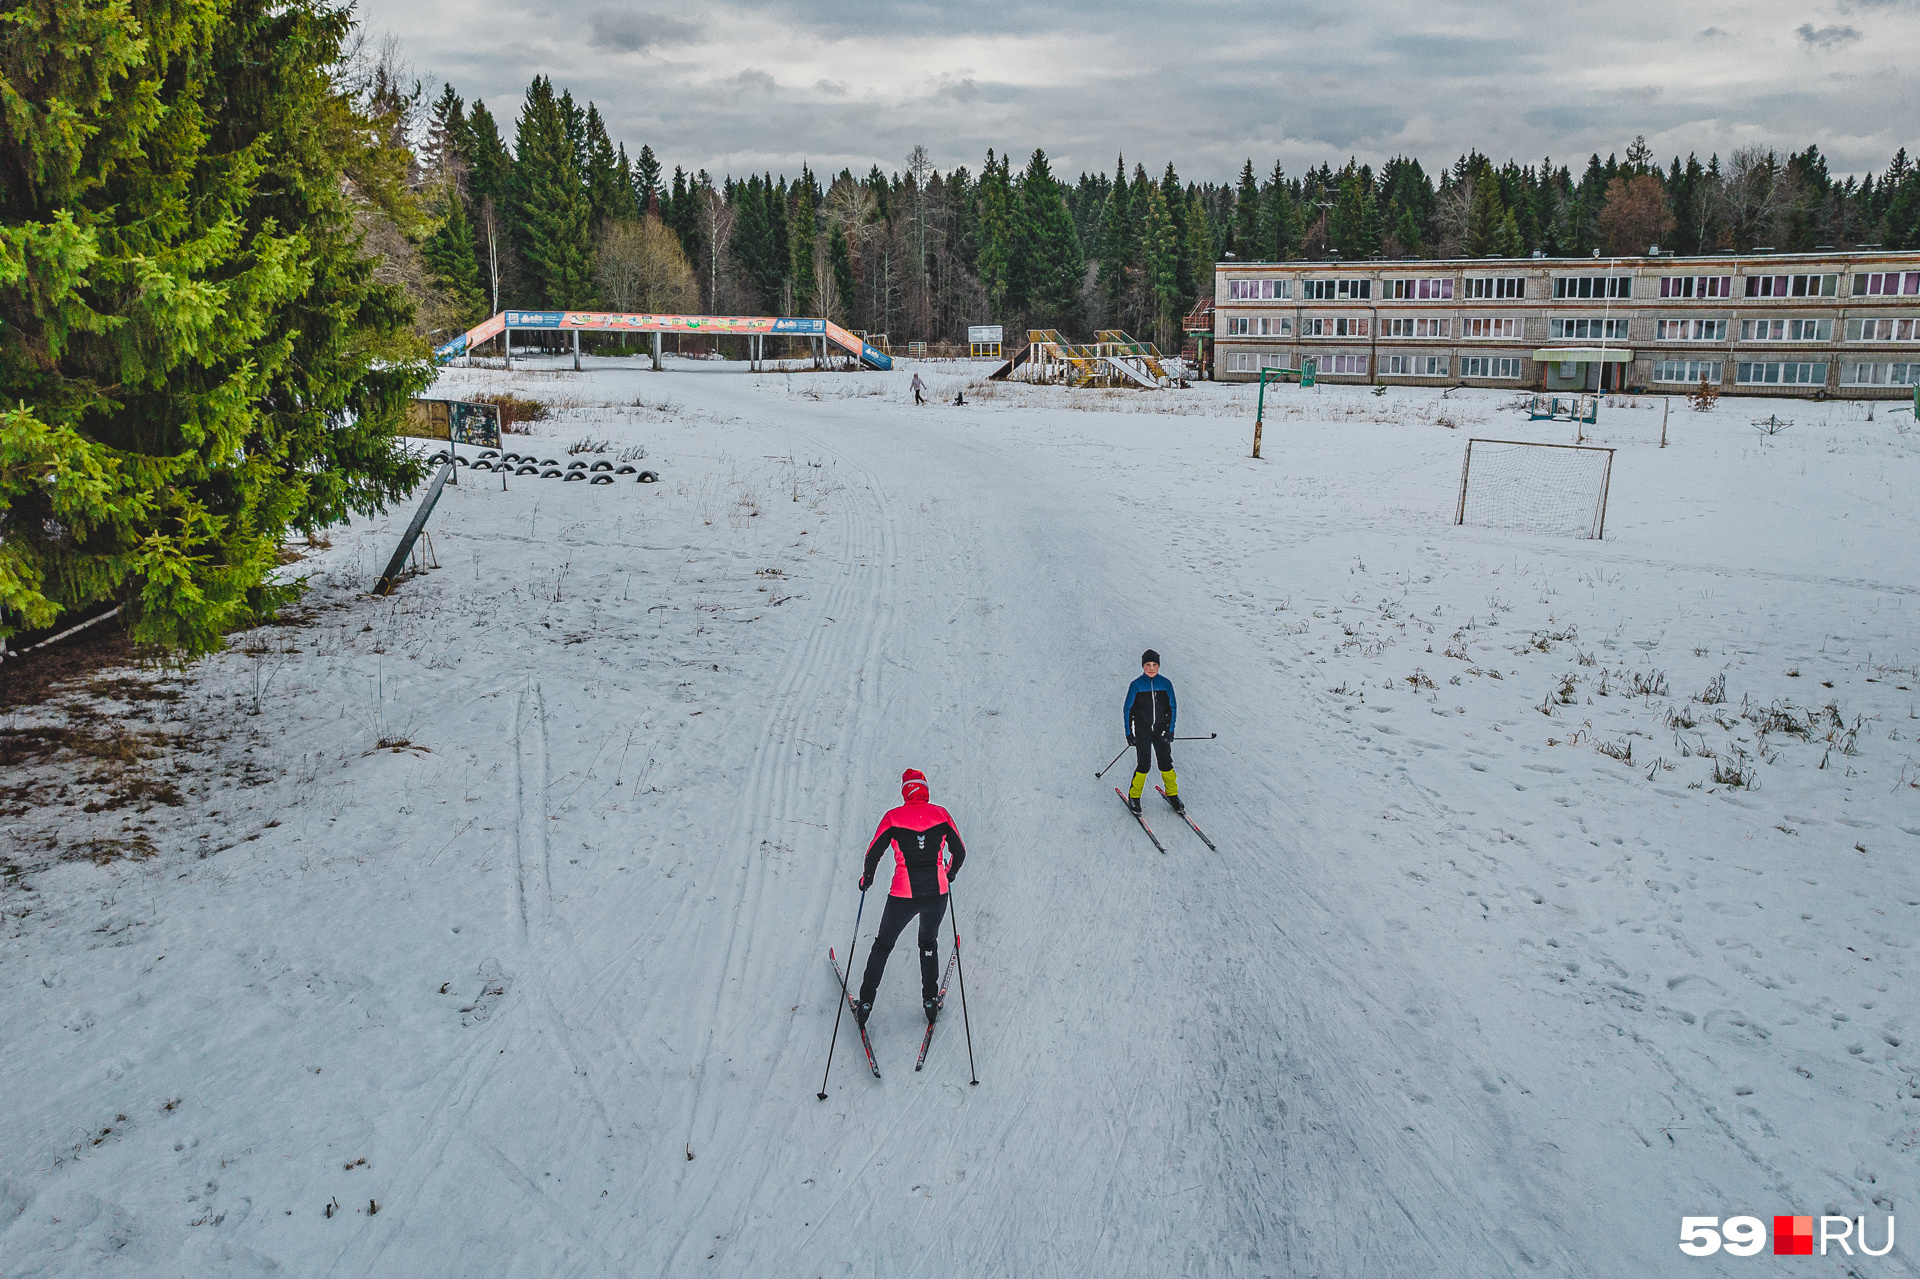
(735,86)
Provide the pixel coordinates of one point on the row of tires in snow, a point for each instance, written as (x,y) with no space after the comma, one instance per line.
(599,472)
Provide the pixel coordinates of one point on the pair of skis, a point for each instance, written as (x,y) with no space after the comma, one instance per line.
(1184,816)
(853,1006)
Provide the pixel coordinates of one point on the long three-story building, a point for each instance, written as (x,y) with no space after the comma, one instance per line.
(1812,324)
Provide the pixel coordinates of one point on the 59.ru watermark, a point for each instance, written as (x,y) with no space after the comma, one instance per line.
(1792,1236)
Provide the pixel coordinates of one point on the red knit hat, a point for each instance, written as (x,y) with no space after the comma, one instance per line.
(913,786)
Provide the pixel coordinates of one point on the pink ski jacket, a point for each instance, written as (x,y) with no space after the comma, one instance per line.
(918,831)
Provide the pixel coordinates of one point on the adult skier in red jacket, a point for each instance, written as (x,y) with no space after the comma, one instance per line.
(927,854)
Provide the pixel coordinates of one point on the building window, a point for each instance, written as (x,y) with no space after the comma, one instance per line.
(1488,328)
(1886,284)
(1882,329)
(1240,361)
(1595,329)
(1353,364)
(1433,290)
(1696,286)
(1690,371)
(1489,366)
(1259,290)
(1239,326)
(1593,286)
(1332,290)
(1786,330)
(1414,365)
(1757,374)
(1691,330)
(1793,286)
(1879,374)
(1414,328)
(1272,326)
(1333,327)
(1494,287)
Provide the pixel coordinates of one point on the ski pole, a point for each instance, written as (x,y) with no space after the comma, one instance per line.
(961,967)
(1209,737)
(1111,763)
(844,978)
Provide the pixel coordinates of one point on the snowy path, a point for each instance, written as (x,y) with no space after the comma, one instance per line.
(1306,1054)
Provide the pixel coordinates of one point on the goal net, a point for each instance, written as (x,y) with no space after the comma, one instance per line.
(1539,488)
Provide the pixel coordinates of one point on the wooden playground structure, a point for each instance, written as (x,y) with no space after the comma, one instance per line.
(1111,359)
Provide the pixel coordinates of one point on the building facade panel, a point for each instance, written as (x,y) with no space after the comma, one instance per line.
(1815,324)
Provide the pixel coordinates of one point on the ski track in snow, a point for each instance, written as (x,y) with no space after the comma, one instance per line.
(1429,1010)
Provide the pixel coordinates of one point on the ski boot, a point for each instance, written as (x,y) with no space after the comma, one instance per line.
(1133,802)
(862,1011)
(933,1009)
(1178,807)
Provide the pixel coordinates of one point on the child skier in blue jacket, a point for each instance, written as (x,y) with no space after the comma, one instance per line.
(1147,717)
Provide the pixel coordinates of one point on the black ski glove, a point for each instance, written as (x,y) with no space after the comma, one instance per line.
(866,882)
(1129,739)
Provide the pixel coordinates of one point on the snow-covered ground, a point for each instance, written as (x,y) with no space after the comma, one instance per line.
(502,905)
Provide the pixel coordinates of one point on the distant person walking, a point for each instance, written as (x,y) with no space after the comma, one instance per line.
(921,834)
(1147,716)
(919,388)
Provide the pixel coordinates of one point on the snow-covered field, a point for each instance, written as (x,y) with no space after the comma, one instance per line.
(1565,887)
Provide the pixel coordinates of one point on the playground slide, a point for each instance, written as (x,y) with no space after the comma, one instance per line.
(625,322)
(1019,357)
(1134,374)
(870,356)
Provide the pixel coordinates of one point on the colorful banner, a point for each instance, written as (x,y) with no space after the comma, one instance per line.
(626,322)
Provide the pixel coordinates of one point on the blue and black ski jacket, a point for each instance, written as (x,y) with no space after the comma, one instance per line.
(1149,709)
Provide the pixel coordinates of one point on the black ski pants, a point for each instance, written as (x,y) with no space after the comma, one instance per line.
(1146,746)
(893,921)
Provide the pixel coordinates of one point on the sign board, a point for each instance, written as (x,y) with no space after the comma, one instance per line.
(790,324)
(455,420)
(535,319)
(986,333)
(475,424)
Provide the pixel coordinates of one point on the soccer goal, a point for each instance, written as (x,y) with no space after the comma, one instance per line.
(1540,488)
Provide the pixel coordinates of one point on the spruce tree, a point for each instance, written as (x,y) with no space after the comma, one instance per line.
(448,253)
(552,218)
(996,233)
(1046,262)
(1279,221)
(842,263)
(1484,215)
(448,142)
(646,181)
(1506,241)
(1160,259)
(801,234)
(607,196)
(1200,257)
(1119,248)
(194,356)
(1246,215)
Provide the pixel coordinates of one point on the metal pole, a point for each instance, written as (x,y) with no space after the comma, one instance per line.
(506,340)
(1666,403)
(656,350)
(576,350)
(1260,411)
(960,967)
(844,978)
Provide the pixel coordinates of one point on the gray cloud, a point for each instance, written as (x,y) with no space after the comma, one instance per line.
(860,84)
(1825,37)
(630,32)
